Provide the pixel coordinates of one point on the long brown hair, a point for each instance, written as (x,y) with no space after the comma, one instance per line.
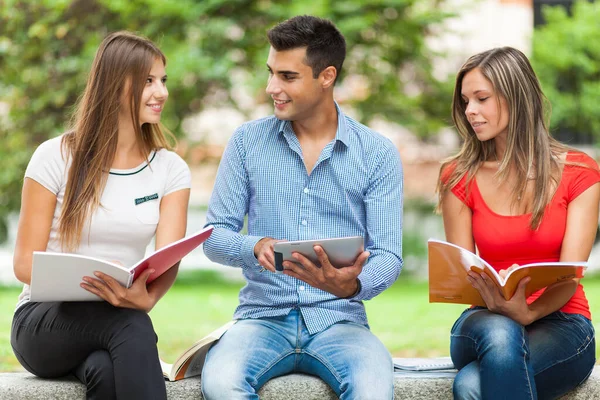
(120,68)
(530,150)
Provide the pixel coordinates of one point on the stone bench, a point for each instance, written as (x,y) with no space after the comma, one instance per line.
(24,386)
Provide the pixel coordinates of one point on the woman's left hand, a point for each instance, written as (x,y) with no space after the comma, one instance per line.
(107,288)
(516,308)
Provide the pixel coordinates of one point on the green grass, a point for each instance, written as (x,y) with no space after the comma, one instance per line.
(201,301)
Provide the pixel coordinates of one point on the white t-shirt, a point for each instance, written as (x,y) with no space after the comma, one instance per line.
(125,222)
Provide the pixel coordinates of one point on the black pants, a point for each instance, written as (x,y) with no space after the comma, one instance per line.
(111,350)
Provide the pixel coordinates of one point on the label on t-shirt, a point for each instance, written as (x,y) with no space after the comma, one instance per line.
(144,199)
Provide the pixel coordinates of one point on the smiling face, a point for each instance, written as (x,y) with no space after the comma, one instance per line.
(296,94)
(152,98)
(486,111)
(154,95)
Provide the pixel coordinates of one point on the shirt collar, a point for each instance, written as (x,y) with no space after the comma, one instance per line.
(340,135)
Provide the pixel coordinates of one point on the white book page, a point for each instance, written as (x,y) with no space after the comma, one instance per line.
(166,369)
(57,276)
(583,264)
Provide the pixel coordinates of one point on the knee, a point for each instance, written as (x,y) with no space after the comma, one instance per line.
(370,381)
(99,374)
(99,364)
(467,385)
(137,324)
(505,342)
(223,381)
(505,331)
(495,333)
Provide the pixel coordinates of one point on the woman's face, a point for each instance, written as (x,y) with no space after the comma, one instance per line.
(155,94)
(486,111)
(153,97)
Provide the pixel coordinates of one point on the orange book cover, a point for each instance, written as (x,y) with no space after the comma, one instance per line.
(449,264)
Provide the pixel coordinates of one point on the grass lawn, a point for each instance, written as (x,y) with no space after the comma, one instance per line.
(201,301)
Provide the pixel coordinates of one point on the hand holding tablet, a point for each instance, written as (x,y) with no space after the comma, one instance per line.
(342,252)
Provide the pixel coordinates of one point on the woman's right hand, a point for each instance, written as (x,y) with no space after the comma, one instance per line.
(516,308)
(109,289)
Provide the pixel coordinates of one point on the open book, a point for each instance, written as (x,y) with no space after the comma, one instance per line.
(449,264)
(190,363)
(57,276)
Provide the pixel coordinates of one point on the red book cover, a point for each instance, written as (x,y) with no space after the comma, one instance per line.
(166,257)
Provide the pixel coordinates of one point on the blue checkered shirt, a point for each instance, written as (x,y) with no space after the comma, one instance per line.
(355,188)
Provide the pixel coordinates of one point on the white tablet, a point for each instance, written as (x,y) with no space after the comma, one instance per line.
(342,252)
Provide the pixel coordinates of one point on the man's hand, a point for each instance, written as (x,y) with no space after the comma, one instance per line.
(109,289)
(516,308)
(263,251)
(341,282)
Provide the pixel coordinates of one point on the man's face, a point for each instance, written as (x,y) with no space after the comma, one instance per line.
(296,94)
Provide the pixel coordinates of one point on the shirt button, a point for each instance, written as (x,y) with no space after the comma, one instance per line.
(304,222)
(306,190)
(301,288)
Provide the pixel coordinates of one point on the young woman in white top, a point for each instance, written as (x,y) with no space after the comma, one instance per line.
(79,196)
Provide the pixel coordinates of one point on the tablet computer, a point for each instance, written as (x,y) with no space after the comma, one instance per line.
(342,252)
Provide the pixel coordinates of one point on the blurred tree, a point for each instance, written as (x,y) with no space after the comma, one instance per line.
(46,48)
(566,57)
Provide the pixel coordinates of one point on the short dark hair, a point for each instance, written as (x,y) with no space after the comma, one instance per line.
(325,44)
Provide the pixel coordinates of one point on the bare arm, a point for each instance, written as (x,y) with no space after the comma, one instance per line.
(171,227)
(35,221)
(582,217)
(458,222)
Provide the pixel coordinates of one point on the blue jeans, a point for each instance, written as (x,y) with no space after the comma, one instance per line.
(347,356)
(498,358)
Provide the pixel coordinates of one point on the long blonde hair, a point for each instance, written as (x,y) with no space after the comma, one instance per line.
(530,150)
(122,62)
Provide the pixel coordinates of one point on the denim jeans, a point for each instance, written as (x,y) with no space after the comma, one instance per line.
(111,350)
(498,358)
(347,356)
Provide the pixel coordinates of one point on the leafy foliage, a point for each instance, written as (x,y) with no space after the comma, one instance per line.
(46,49)
(566,57)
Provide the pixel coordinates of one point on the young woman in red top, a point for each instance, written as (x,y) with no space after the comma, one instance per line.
(517,196)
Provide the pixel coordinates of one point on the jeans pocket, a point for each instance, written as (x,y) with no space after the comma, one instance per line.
(578,319)
(582,324)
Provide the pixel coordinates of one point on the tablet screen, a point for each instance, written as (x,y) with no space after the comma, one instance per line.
(342,252)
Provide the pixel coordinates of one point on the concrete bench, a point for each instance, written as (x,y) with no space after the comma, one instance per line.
(24,386)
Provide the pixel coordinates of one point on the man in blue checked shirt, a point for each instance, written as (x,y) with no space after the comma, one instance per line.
(308,172)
